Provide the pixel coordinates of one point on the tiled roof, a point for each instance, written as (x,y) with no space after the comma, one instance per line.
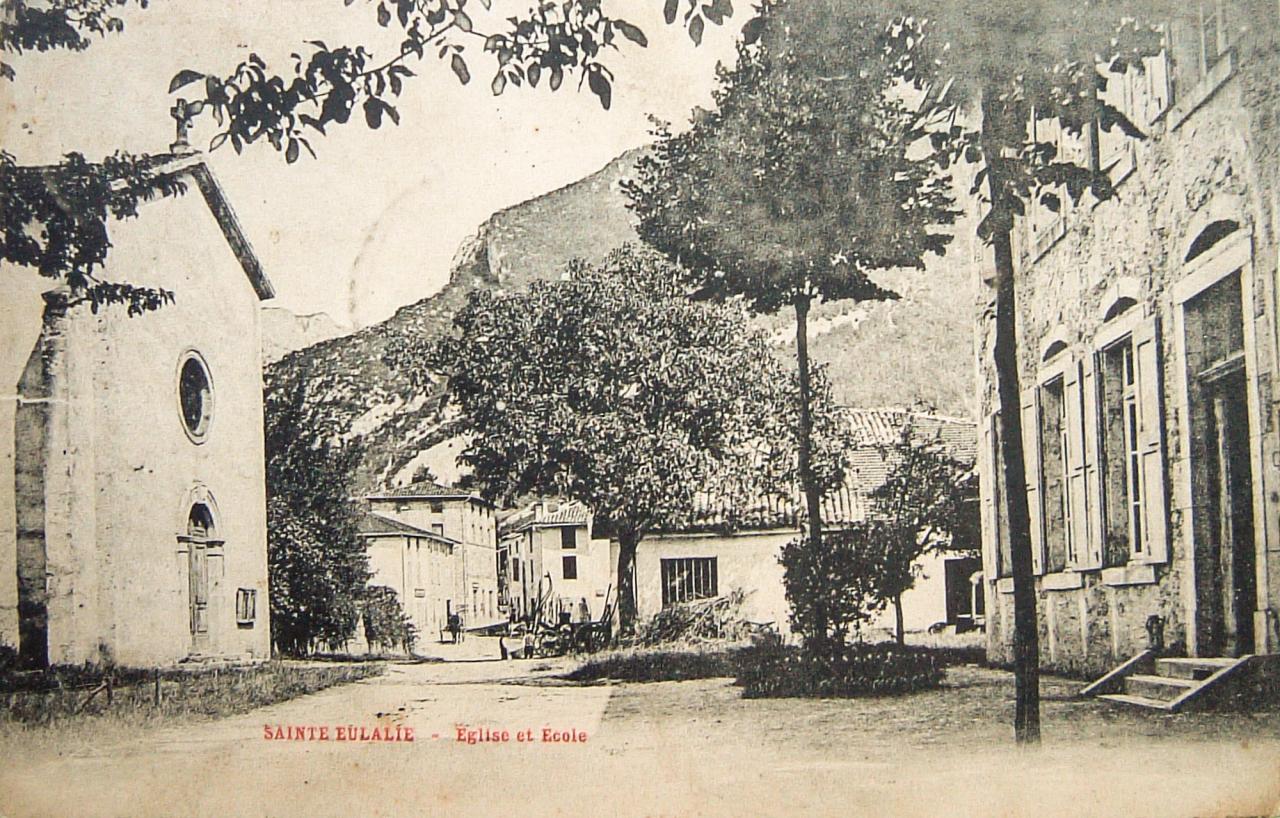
(425,488)
(372,524)
(536,514)
(869,465)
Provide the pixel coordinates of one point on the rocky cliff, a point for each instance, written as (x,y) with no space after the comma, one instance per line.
(916,349)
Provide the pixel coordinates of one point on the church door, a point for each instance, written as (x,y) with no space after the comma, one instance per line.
(199,528)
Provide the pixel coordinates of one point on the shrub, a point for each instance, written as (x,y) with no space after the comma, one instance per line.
(832,589)
(778,671)
(716,618)
(386,626)
(665,665)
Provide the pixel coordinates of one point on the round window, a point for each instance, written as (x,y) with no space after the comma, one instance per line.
(195,396)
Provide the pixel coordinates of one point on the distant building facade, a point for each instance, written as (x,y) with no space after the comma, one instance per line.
(134,516)
(436,547)
(1147,335)
(712,556)
(552,556)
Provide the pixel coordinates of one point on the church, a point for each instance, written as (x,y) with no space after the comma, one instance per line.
(133,507)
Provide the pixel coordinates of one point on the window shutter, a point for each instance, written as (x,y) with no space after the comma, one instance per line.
(1157,85)
(1076,492)
(1031,461)
(1146,353)
(1090,548)
(987,483)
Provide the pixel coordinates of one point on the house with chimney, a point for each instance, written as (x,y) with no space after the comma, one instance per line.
(436,547)
(552,558)
(133,504)
(1148,345)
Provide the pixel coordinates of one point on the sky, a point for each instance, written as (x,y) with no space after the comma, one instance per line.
(374,222)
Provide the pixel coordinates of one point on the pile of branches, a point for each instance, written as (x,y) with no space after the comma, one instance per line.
(717,618)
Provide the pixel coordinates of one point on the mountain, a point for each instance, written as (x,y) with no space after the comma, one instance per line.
(917,349)
(284,331)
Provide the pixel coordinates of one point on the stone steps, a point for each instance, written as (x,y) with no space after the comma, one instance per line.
(1175,682)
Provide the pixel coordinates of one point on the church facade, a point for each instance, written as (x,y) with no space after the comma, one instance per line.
(136,518)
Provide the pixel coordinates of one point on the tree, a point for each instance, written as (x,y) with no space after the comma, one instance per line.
(56,219)
(1006,60)
(317,566)
(926,501)
(832,591)
(612,388)
(796,187)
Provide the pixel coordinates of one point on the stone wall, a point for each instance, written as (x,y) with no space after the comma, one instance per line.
(1197,167)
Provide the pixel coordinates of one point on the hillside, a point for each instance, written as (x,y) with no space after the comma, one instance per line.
(916,349)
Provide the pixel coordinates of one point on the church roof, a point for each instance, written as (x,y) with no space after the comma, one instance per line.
(192,164)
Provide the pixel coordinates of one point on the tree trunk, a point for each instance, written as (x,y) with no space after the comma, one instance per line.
(1026,647)
(804,455)
(627,542)
(899,631)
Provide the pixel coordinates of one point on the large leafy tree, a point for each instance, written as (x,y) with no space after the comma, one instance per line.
(57,219)
(317,566)
(802,182)
(612,388)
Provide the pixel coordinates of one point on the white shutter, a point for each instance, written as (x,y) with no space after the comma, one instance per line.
(1157,85)
(1090,549)
(1031,462)
(1146,354)
(1074,456)
(986,495)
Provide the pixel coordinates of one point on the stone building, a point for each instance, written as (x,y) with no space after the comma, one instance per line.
(550,552)
(1147,336)
(436,547)
(133,515)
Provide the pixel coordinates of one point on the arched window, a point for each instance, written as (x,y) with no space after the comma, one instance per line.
(1211,235)
(200,523)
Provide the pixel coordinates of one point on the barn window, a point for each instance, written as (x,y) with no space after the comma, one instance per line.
(686,579)
(195,396)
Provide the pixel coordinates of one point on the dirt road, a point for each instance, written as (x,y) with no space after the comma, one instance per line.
(666,749)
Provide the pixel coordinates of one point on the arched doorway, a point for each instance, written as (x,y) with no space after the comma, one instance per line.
(201,534)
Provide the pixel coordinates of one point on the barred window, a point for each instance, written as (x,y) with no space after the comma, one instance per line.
(688,578)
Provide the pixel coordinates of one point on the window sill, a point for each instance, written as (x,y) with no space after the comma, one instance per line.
(1062,581)
(1004,585)
(1135,573)
(1216,77)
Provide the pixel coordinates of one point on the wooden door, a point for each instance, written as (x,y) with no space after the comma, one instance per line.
(199,595)
(1232,482)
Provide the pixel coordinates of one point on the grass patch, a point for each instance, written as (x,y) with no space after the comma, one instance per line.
(139,695)
(658,664)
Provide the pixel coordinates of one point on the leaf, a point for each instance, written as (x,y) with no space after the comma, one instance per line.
(291,153)
(373,112)
(535,71)
(459,67)
(461,20)
(632,33)
(599,85)
(670,10)
(752,30)
(498,84)
(557,77)
(695,30)
(184,77)
(384,15)
(217,141)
